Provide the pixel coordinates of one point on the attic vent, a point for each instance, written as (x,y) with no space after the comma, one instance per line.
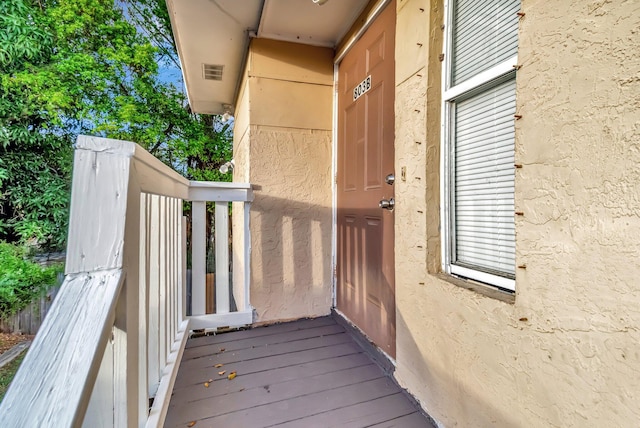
(212,72)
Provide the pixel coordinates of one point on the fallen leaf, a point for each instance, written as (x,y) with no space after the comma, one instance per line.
(218,366)
(222,349)
(210,380)
(231,375)
(222,372)
(192,423)
(206,384)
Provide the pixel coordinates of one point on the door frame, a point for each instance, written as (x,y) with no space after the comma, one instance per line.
(373,14)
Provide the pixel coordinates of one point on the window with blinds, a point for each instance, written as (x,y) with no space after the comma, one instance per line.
(485,33)
(479,98)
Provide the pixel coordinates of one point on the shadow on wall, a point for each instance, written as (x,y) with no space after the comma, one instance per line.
(469,407)
(291,258)
(292,261)
(292,278)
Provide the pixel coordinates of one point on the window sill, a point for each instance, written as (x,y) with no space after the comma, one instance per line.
(478,287)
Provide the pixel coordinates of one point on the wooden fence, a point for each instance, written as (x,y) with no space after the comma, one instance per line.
(29,320)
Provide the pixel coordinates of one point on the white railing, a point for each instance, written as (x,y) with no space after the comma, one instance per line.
(221,194)
(108,352)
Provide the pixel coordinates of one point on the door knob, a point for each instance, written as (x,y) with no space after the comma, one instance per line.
(390,179)
(387,204)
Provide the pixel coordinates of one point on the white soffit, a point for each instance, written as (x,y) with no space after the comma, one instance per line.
(303,21)
(212,33)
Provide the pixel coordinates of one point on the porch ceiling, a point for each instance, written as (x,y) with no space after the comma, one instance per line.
(217,32)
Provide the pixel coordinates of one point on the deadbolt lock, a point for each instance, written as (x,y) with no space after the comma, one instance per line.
(390,179)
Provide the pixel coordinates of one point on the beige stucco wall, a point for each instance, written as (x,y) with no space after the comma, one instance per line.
(567,352)
(282,145)
(240,174)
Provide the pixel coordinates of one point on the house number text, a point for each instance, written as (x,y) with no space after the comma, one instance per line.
(362,88)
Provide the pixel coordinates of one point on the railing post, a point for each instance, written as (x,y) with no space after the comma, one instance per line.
(134,328)
(153,254)
(222,257)
(198,257)
(246,305)
(143,306)
(173,232)
(101,405)
(183,262)
(163,282)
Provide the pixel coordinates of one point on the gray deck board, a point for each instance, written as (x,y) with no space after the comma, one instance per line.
(362,414)
(267,340)
(260,331)
(190,376)
(307,373)
(414,420)
(222,386)
(225,356)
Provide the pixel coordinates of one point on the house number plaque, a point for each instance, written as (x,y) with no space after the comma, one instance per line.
(362,88)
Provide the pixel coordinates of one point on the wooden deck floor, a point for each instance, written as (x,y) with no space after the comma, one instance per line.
(307,373)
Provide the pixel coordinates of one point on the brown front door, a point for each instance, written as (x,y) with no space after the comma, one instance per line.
(365,264)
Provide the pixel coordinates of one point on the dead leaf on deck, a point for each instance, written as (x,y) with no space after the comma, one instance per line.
(231,375)
(206,384)
(210,380)
(222,373)
(218,366)
(192,423)
(222,349)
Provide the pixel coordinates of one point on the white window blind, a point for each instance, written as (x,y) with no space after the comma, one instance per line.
(480,102)
(485,33)
(483,179)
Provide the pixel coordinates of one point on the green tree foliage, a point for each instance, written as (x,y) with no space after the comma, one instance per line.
(35,156)
(87,66)
(204,142)
(21,280)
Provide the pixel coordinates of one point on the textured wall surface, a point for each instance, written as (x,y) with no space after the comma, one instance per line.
(567,352)
(240,174)
(284,148)
(291,222)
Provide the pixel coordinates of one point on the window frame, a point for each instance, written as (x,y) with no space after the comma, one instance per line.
(485,80)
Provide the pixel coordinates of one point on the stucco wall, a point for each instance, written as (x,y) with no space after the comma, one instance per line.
(286,153)
(567,352)
(291,222)
(241,133)
(240,174)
